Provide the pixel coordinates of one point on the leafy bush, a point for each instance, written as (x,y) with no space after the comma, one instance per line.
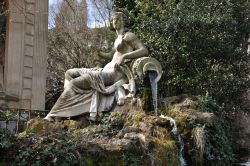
(202,45)
(207,137)
(33,150)
(49,150)
(7,146)
(218,145)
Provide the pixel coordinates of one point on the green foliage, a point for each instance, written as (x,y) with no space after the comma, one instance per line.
(7,144)
(218,143)
(29,132)
(200,44)
(208,104)
(5,139)
(212,145)
(49,150)
(130,5)
(6,114)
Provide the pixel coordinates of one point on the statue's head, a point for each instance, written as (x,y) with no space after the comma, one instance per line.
(119,19)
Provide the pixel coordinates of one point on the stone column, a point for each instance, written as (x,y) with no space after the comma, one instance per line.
(40,55)
(2,52)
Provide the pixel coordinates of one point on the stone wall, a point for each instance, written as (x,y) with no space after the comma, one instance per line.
(26,54)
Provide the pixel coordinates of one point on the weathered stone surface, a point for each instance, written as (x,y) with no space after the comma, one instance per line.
(39,126)
(187,106)
(25,55)
(204,117)
(100,87)
(128,131)
(128,135)
(141,65)
(184,107)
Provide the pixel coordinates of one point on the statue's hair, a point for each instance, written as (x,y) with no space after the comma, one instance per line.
(123,12)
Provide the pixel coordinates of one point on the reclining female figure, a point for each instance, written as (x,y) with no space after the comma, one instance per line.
(94,90)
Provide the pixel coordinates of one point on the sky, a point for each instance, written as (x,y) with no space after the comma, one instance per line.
(91,19)
(52,1)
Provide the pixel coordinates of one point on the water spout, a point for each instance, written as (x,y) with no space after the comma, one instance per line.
(153,82)
(178,138)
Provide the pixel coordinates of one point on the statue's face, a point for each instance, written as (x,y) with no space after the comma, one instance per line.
(117,21)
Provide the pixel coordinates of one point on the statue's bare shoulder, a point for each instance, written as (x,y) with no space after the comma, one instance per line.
(130,37)
(132,40)
(139,49)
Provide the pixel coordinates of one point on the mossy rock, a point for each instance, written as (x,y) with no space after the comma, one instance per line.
(71,124)
(129,137)
(167,151)
(38,126)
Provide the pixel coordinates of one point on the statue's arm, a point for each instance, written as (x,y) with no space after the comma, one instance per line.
(114,87)
(139,50)
(108,55)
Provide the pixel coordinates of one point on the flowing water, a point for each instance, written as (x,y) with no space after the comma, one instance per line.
(246,164)
(178,139)
(153,83)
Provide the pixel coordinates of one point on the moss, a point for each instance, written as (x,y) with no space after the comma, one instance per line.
(185,127)
(117,118)
(40,127)
(71,124)
(104,158)
(188,115)
(89,161)
(118,148)
(135,118)
(161,133)
(167,151)
(112,159)
(183,122)
(158,146)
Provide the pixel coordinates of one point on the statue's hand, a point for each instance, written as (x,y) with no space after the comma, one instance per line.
(114,87)
(120,82)
(117,66)
(118,63)
(105,55)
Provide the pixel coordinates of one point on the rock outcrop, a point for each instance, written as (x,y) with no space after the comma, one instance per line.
(130,136)
(125,136)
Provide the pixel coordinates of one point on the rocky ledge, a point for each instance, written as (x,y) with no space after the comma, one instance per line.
(126,136)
